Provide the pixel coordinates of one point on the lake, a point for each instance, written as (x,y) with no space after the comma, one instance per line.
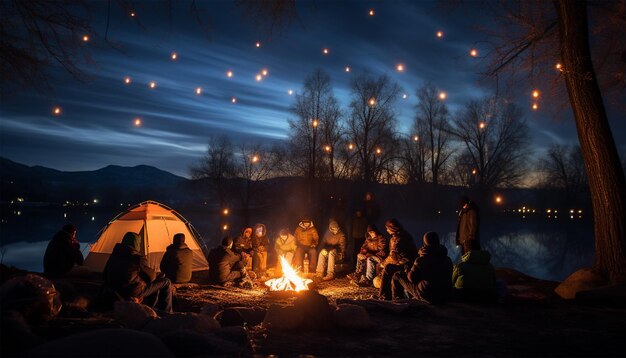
(539,246)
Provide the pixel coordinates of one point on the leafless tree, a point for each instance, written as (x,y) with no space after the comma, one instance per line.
(432,121)
(495,140)
(372,122)
(217,166)
(534,36)
(563,168)
(413,157)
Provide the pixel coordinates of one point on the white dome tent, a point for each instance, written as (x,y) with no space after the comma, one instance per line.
(156,224)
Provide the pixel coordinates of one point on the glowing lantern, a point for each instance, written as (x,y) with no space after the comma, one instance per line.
(325,51)
(378,151)
(327,148)
(400,67)
(347,68)
(498,199)
(225,227)
(350,146)
(56,111)
(371,12)
(535,106)
(264,72)
(536,94)
(233,100)
(225,211)
(137,122)
(258,77)
(372,101)
(315,123)
(482,125)
(559,67)
(132,14)
(439,34)
(473,52)
(174,56)
(199,91)
(474,171)
(255,158)
(416,138)
(258,44)
(152,84)
(85,38)
(127,80)
(443,95)
(229,74)
(404,96)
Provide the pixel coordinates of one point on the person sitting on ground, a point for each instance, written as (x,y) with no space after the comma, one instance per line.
(226,267)
(128,274)
(242,246)
(62,253)
(474,278)
(285,246)
(333,248)
(371,254)
(402,252)
(177,261)
(307,239)
(429,278)
(260,242)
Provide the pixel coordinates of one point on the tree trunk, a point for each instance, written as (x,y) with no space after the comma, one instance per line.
(606,178)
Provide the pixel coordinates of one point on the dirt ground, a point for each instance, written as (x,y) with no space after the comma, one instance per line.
(530,321)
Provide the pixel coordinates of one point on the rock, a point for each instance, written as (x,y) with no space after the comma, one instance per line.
(230,317)
(610,296)
(133,315)
(352,317)
(116,342)
(198,323)
(210,309)
(235,334)
(315,310)
(581,280)
(33,296)
(283,318)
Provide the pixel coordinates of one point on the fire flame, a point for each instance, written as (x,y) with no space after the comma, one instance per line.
(290,281)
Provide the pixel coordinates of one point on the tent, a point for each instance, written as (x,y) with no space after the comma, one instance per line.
(156,224)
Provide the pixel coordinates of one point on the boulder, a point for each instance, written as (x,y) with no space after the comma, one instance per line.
(33,296)
(133,315)
(352,317)
(283,318)
(315,310)
(188,343)
(116,342)
(198,323)
(581,280)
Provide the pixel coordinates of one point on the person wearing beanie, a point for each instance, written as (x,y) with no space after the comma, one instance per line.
(226,267)
(63,252)
(371,254)
(402,252)
(128,273)
(333,249)
(429,278)
(177,261)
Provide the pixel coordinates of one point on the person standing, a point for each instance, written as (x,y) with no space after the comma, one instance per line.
(333,249)
(128,273)
(402,252)
(307,239)
(63,252)
(429,277)
(177,261)
(468,226)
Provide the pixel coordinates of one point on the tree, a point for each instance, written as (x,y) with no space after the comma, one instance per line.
(413,157)
(431,121)
(495,140)
(372,122)
(563,168)
(217,166)
(547,35)
(253,164)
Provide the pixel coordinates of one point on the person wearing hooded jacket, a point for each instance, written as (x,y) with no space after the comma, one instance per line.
(226,267)
(429,277)
(402,251)
(333,247)
(128,273)
(177,261)
(242,246)
(285,245)
(63,252)
(468,226)
(307,239)
(371,254)
(260,242)
(474,278)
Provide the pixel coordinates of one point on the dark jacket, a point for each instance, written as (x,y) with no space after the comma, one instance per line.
(475,275)
(260,243)
(375,246)
(336,241)
(306,236)
(61,254)
(127,271)
(431,273)
(221,262)
(177,263)
(243,244)
(402,249)
(468,225)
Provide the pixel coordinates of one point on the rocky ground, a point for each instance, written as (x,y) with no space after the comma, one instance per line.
(341,320)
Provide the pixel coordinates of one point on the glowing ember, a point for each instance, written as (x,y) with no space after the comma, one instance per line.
(290,281)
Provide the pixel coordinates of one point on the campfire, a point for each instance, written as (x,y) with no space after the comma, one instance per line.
(290,281)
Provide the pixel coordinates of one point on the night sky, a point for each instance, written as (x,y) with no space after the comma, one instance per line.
(97,126)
